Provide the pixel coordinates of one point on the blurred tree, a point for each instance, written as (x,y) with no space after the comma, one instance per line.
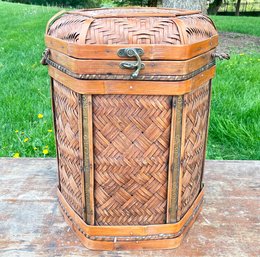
(136,2)
(214,6)
(187,4)
(152,3)
(238,7)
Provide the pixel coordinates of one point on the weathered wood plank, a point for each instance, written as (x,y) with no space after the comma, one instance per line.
(31,224)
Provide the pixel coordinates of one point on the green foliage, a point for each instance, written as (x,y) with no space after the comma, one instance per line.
(68,3)
(107,3)
(137,2)
(24,83)
(131,2)
(241,24)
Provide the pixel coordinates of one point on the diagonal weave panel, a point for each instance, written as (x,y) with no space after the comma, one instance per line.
(133,31)
(131,142)
(198,27)
(195,119)
(66,110)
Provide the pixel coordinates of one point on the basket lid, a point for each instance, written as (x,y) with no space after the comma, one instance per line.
(114,26)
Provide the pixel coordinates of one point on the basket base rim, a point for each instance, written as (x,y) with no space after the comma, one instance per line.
(136,237)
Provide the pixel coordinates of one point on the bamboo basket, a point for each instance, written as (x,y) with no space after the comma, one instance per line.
(131,94)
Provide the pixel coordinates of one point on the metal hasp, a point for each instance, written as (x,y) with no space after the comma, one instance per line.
(132,52)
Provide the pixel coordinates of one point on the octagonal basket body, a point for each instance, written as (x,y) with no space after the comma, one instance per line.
(131,94)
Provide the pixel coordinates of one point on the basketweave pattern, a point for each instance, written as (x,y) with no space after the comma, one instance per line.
(198,28)
(195,118)
(67,27)
(133,31)
(70,163)
(131,142)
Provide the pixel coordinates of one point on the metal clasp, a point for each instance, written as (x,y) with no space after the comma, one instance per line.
(132,52)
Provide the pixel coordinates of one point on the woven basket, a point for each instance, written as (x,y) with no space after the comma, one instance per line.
(130,92)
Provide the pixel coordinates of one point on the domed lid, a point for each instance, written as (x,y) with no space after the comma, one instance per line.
(111,26)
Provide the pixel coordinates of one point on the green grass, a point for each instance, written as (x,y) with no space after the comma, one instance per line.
(241,24)
(235,110)
(24,83)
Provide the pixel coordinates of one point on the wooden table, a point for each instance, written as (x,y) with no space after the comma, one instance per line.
(31,223)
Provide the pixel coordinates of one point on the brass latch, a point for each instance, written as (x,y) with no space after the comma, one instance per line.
(132,52)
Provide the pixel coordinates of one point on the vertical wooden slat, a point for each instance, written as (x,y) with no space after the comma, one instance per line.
(80,125)
(206,136)
(170,165)
(174,159)
(54,127)
(180,158)
(88,157)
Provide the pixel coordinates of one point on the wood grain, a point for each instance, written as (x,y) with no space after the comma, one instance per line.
(81,66)
(132,87)
(151,52)
(32,225)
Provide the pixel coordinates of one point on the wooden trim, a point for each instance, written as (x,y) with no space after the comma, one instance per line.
(88,157)
(91,159)
(135,230)
(137,14)
(81,156)
(173,192)
(206,137)
(132,87)
(136,245)
(151,52)
(181,154)
(171,150)
(81,66)
(54,127)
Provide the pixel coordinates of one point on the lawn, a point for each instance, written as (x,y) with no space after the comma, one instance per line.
(25,108)
(242,24)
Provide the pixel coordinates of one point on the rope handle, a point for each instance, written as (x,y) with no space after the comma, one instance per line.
(221,56)
(45,56)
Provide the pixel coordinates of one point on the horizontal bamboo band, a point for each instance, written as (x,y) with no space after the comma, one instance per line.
(145,234)
(133,87)
(112,67)
(129,230)
(151,52)
(128,77)
(133,14)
